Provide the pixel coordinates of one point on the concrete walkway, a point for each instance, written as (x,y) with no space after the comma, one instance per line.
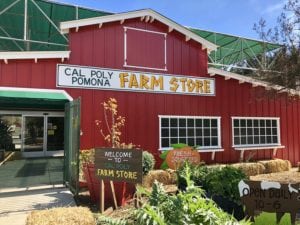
(15,206)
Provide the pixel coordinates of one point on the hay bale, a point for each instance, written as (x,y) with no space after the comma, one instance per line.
(58,216)
(276,165)
(250,169)
(165,177)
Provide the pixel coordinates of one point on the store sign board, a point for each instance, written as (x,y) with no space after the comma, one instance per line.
(119,164)
(176,157)
(270,196)
(122,80)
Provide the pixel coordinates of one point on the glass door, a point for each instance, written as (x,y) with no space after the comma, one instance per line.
(55,136)
(43,135)
(33,136)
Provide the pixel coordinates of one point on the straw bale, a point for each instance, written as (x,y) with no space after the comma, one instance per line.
(250,169)
(276,165)
(163,176)
(59,216)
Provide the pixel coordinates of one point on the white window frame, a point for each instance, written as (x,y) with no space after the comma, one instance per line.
(149,31)
(256,145)
(200,149)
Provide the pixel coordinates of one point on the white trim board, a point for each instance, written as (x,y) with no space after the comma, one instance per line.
(243,79)
(145,13)
(35,55)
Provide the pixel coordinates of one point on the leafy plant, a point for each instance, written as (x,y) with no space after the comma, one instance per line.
(187,207)
(224,181)
(148,162)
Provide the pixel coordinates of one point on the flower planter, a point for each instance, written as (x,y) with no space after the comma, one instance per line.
(124,191)
(229,206)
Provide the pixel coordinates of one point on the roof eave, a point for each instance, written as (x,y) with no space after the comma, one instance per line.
(66,26)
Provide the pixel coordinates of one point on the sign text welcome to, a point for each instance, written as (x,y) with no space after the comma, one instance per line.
(99,78)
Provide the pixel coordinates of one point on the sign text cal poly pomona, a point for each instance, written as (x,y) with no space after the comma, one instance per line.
(123,80)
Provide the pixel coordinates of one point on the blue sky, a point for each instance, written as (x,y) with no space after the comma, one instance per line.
(226,16)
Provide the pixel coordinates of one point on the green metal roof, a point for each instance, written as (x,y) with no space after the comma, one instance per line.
(43,33)
(233,48)
(32,99)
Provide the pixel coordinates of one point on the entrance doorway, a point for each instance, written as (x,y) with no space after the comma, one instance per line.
(36,134)
(43,135)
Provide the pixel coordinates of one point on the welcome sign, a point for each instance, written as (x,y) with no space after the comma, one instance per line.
(123,80)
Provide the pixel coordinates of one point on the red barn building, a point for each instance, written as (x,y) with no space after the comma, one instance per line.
(158,72)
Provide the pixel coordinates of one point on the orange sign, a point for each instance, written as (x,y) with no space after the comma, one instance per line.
(176,157)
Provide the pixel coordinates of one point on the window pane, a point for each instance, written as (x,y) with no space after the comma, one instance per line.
(182,122)
(236,123)
(262,131)
(237,141)
(214,141)
(191,132)
(165,122)
(243,140)
(174,122)
(182,140)
(236,131)
(214,132)
(206,132)
(249,131)
(198,132)
(243,131)
(165,142)
(191,141)
(268,131)
(214,123)
(256,131)
(269,139)
(249,123)
(274,131)
(182,132)
(243,123)
(174,140)
(198,122)
(206,123)
(174,132)
(274,123)
(199,142)
(256,140)
(190,122)
(268,123)
(164,132)
(206,141)
(262,123)
(255,123)
(262,139)
(250,140)
(275,139)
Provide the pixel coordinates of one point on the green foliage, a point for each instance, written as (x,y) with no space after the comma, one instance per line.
(148,162)
(103,220)
(179,145)
(216,181)
(187,207)
(224,181)
(5,136)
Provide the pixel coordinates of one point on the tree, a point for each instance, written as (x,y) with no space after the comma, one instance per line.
(282,67)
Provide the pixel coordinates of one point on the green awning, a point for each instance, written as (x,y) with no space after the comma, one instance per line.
(20,99)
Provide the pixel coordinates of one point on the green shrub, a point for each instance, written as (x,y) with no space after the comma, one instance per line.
(148,162)
(187,207)
(224,181)
(5,136)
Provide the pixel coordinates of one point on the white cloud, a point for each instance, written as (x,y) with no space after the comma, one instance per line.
(274,8)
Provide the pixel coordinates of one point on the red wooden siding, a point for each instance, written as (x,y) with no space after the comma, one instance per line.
(104,47)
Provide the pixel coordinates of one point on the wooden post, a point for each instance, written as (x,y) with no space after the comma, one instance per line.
(113,193)
(102,196)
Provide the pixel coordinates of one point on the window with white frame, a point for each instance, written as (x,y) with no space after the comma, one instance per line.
(203,132)
(255,131)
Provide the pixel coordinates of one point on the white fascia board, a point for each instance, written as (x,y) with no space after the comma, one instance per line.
(35,55)
(250,80)
(65,26)
(38,90)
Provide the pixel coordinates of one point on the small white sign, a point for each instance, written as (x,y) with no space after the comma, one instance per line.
(123,80)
